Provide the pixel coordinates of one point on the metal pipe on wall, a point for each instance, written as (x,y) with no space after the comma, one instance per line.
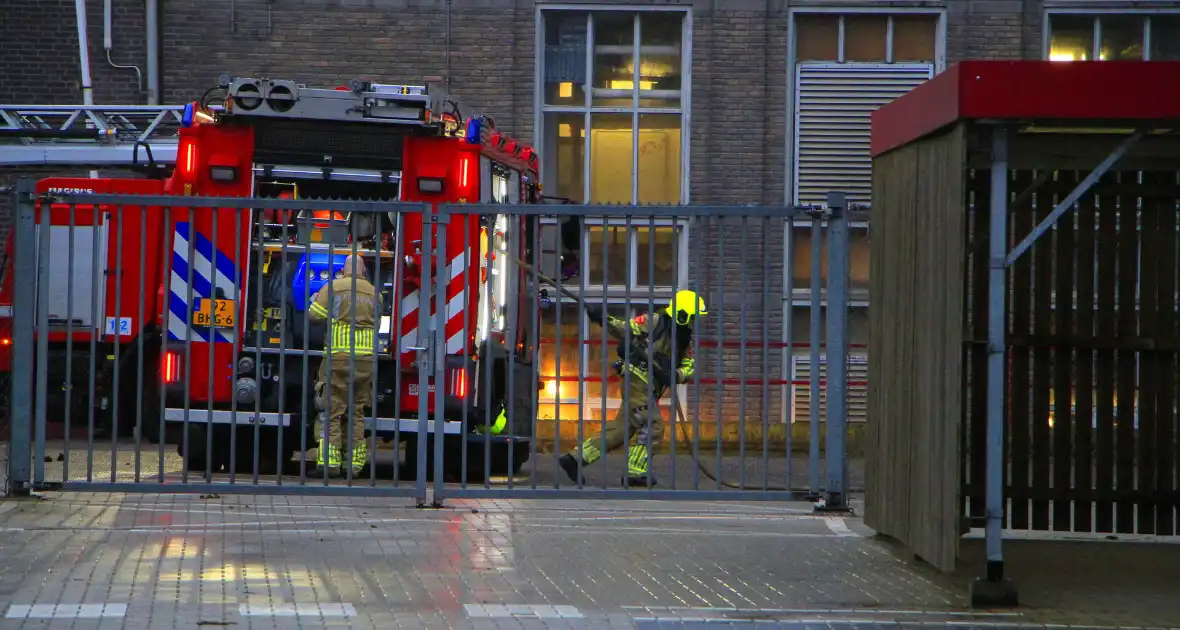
(107,44)
(84,52)
(152,18)
(84,59)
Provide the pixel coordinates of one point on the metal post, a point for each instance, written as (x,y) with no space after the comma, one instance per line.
(993,590)
(23,286)
(835,494)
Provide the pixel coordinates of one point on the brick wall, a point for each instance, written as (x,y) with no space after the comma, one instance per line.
(39,46)
(993,29)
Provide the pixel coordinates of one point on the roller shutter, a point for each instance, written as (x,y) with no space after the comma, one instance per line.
(833,102)
(858,376)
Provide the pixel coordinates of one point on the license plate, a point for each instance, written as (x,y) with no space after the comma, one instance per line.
(413,389)
(216,313)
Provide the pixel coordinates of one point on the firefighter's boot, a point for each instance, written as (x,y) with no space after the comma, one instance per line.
(360,460)
(327,458)
(569,464)
(638,457)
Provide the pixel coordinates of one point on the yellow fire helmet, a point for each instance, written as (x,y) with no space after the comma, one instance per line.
(684,305)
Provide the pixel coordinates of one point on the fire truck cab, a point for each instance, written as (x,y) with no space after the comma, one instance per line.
(223,314)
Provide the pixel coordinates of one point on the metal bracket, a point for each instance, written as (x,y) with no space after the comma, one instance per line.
(1072,198)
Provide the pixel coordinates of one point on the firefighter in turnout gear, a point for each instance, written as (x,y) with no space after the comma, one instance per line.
(350,313)
(661,333)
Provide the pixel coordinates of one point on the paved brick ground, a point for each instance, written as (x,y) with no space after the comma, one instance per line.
(77,560)
(151,561)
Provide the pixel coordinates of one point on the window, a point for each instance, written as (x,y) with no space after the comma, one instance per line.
(640,257)
(1118,35)
(868,37)
(846,66)
(613,105)
(858,259)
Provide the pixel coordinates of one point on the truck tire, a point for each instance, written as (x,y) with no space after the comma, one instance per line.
(197,460)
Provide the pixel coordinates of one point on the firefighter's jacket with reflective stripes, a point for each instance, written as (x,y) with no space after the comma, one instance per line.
(350,315)
(658,330)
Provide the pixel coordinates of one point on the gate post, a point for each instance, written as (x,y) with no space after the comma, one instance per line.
(993,590)
(836,468)
(24,274)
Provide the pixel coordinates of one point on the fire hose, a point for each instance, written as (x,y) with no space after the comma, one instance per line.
(714,476)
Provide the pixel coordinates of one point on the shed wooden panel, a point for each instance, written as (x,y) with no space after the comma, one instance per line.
(916,344)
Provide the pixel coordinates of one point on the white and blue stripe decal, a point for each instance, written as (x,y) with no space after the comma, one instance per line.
(209,280)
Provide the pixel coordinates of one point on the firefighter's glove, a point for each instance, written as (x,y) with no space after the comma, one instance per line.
(594,312)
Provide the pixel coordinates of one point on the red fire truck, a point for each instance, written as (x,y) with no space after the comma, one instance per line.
(222,314)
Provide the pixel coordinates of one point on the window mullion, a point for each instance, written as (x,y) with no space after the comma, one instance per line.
(635,74)
(587,150)
(1096,54)
(889,39)
(840,41)
(633,248)
(1147,38)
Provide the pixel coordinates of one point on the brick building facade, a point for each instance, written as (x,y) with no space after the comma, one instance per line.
(734,96)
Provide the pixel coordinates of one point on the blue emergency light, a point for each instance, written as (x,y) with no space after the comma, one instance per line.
(473,132)
(186,119)
(314,271)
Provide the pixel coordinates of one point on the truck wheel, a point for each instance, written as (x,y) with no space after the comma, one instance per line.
(197,460)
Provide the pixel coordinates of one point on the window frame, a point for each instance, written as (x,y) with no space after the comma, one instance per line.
(939,61)
(801,297)
(587,109)
(1096,13)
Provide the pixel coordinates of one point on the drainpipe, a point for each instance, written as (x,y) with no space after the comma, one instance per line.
(107,45)
(84,52)
(84,59)
(152,18)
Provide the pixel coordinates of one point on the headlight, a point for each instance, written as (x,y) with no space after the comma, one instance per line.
(323,274)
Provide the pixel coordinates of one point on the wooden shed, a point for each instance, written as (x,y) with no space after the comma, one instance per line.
(1075,166)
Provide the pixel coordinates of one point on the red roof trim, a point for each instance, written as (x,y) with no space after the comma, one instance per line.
(1030,90)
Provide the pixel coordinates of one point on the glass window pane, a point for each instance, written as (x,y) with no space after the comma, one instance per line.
(565,156)
(611,165)
(817,37)
(1071,37)
(1122,37)
(614,59)
(609,249)
(858,258)
(659,158)
(565,57)
(864,37)
(662,243)
(1165,37)
(913,37)
(559,380)
(659,58)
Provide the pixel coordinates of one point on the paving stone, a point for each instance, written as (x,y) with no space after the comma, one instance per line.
(179,561)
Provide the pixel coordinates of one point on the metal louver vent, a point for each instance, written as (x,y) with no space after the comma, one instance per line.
(858,389)
(833,102)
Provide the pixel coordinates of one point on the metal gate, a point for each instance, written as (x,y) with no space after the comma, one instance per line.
(165,348)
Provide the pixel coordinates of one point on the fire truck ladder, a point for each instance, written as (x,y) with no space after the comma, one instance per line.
(88,135)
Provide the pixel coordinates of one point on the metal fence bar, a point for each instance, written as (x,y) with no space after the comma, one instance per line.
(42,360)
(23,279)
(815,342)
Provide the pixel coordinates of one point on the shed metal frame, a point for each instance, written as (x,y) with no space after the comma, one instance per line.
(1100,114)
